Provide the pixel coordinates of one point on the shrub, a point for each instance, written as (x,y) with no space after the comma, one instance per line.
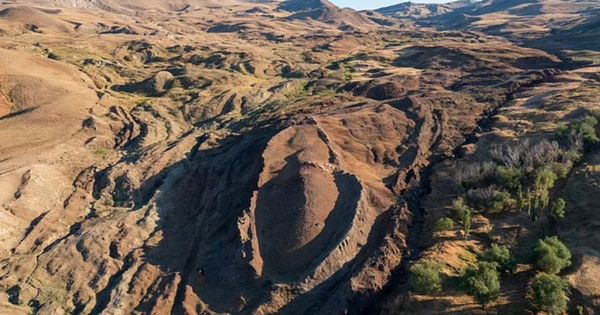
(562,169)
(551,255)
(545,178)
(509,177)
(467,222)
(587,128)
(474,174)
(501,201)
(444,224)
(462,213)
(573,155)
(526,155)
(459,208)
(549,294)
(483,282)
(481,197)
(425,278)
(558,210)
(562,129)
(501,256)
(584,129)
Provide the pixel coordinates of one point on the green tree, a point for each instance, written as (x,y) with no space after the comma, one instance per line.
(545,178)
(444,224)
(562,169)
(501,256)
(459,207)
(551,255)
(463,213)
(501,201)
(509,177)
(483,282)
(467,222)
(559,208)
(587,128)
(425,277)
(549,294)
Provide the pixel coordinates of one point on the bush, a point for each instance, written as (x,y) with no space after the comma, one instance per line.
(562,169)
(425,278)
(444,224)
(551,255)
(509,177)
(483,282)
(467,222)
(525,155)
(545,178)
(481,197)
(549,294)
(558,210)
(585,129)
(501,201)
(491,199)
(501,256)
(459,208)
(475,174)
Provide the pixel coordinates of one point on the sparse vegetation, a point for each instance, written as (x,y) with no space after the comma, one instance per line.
(467,223)
(348,70)
(551,255)
(558,210)
(509,177)
(519,178)
(444,224)
(103,153)
(463,214)
(483,282)
(459,208)
(549,294)
(425,277)
(297,90)
(584,129)
(501,201)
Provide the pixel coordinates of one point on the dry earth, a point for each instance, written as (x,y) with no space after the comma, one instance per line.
(259,157)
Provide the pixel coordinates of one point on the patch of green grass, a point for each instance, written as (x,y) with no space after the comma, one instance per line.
(143,101)
(348,71)
(103,153)
(297,90)
(327,93)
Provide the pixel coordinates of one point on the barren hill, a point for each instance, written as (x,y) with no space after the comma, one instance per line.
(421,10)
(522,19)
(293,157)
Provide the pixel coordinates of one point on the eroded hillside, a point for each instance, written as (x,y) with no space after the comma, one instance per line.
(267,157)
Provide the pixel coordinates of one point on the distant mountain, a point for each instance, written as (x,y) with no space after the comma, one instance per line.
(306,5)
(584,36)
(520,19)
(325,11)
(422,10)
(123,6)
(550,24)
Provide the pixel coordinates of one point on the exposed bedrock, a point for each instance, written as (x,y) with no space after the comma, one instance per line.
(304,206)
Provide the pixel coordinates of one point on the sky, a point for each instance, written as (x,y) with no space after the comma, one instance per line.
(374,4)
